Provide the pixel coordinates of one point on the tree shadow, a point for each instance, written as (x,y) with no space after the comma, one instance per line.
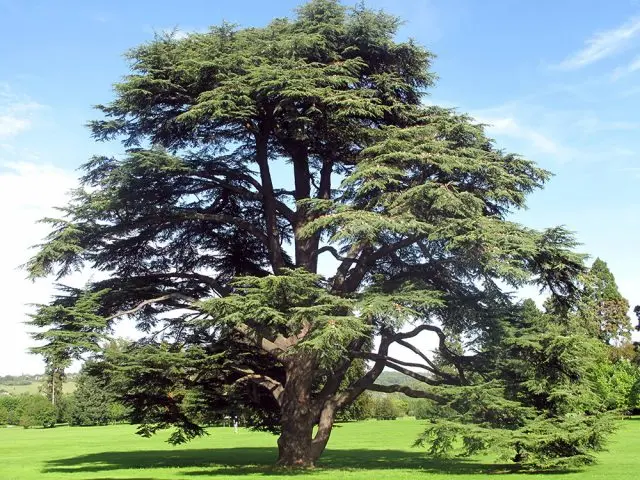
(242,461)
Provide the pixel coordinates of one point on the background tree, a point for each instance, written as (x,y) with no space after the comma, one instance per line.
(252,154)
(36,411)
(54,377)
(4,415)
(603,306)
(93,402)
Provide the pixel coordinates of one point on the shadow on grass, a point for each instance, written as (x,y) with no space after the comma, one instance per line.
(242,461)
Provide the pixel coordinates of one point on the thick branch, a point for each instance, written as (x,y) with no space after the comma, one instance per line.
(274,387)
(369,257)
(219,288)
(268,345)
(333,251)
(268,200)
(364,382)
(324,189)
(408,391)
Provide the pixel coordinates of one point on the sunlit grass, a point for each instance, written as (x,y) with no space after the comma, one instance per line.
(366,450)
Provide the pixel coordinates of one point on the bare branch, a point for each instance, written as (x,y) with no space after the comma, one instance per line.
(442,346)
(150,301)
(408,391)
(417,351)
(368,378)
(333,251)
(219,288)
(432,366)
(396,365)
(375,356)
(265,381)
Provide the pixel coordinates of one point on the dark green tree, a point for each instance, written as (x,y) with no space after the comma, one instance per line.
(541,400)
(252,157)
(92,402)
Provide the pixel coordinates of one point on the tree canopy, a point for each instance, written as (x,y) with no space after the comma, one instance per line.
(286,209)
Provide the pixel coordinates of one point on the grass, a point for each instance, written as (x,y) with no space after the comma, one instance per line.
(365,450)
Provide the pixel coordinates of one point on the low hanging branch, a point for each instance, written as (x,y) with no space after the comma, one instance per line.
(151,301)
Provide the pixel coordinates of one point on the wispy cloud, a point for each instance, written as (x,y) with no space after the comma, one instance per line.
(16,112)
(602,45)
(547,133)
(538,141)
(632,66)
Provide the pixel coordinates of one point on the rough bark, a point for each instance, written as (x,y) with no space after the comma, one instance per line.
(298,415)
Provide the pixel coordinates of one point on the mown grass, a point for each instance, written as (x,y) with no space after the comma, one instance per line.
(366,450)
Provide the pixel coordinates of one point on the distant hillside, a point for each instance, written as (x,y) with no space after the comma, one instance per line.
(393,378)
(18,384)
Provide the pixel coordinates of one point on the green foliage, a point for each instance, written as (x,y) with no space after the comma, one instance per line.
(547,405)
(617,384)
(602,307)
(36,411)
(423,409)
(386,407)
(28,410)
(93,403)
(363,408)
(12,405)
(4,415)
(216,259)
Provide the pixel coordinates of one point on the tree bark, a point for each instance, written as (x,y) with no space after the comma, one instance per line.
(295,443)
(297,446)
(299,416)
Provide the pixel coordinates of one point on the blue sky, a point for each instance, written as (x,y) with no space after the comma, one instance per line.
(558,82)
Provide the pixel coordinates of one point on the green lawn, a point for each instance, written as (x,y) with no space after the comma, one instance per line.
(366,450)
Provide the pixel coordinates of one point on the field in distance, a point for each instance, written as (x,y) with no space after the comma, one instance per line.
(34,387)
(363,450)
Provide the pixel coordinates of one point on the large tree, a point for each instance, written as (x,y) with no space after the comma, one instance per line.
(285,203)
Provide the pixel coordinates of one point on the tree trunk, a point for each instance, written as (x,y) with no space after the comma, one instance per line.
(296,445)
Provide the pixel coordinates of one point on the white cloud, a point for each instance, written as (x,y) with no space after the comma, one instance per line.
(539,142)
(602,45)
(631,67)
(16,112)
(28,192)
(562,135)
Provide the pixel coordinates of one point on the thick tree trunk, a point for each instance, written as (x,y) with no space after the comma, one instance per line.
(297,446)
(295,443)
